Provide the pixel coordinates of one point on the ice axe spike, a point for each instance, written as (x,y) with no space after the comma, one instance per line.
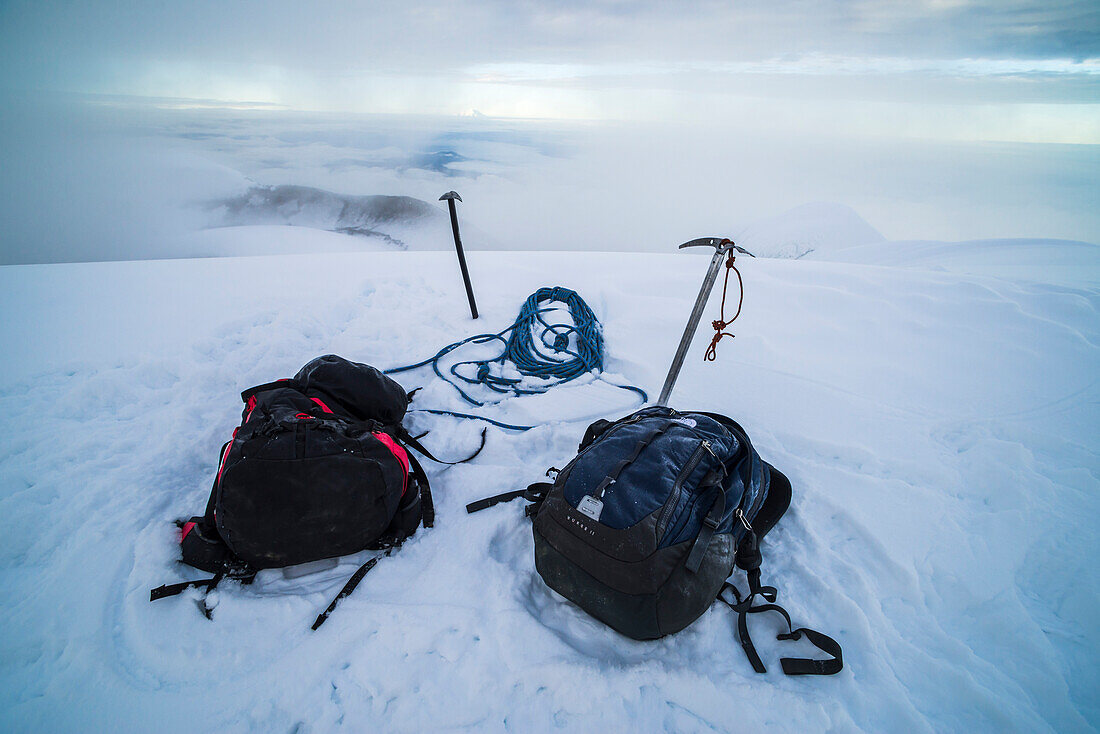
(721,246)
(450,198)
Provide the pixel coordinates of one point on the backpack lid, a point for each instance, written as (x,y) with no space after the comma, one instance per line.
(361,390)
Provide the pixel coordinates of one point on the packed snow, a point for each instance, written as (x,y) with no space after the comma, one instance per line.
(939,429)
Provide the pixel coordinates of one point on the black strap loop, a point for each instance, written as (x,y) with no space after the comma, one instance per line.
(804,666)
(408,439)
(791,666)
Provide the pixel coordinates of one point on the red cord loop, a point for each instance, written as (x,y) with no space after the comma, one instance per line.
(722,323)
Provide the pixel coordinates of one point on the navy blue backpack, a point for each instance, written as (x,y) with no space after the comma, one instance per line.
(644,527)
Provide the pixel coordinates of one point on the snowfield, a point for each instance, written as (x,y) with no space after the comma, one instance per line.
(939,428)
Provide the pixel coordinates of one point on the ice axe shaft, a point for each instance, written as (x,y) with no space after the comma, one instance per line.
(721,247)
(450,198)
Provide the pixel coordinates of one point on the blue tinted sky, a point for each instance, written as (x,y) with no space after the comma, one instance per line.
(938,69)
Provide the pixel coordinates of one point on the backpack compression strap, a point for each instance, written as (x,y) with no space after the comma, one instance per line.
(534,494)
(749,559)
(351,584)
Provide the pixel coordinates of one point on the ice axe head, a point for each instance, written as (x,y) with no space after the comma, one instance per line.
(450,195)
(721,245)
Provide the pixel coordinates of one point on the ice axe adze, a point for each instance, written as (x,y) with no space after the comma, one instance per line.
(450,197)
(721,247)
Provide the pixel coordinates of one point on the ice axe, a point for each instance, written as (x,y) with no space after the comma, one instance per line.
(450,197)
(722,247)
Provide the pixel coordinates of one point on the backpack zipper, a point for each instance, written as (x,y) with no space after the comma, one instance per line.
(674,495)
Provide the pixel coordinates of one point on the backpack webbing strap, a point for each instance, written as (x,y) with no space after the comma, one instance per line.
(409,439)
(535,494)
(488,502)
(706,533)
(750,561)
(350,586)
(167,590)
(173,589)
(427,505)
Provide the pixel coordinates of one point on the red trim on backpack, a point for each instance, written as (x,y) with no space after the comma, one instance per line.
(323,406)
(187,527)
(399,453)
(304,417)
(251,407)
(228,447)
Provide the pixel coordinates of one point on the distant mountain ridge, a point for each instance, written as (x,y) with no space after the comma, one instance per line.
(366,216)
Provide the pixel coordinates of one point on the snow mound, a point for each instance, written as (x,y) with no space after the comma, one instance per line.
(810,228)
(1043,260)
(387,218)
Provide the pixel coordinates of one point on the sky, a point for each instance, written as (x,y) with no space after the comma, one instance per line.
(1001,70)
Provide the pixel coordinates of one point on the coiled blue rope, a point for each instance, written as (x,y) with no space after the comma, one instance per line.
(521,347)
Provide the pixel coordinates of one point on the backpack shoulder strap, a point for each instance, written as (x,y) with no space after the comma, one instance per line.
(748,559)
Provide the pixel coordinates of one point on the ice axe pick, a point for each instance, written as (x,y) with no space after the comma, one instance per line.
(721,247)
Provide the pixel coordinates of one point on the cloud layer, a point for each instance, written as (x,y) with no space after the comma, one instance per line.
(398,55)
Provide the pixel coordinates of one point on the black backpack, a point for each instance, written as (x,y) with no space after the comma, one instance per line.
(316,470)
(644,526)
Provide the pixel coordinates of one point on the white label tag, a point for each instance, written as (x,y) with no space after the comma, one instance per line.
(689,422)
(304,569)
(590,506)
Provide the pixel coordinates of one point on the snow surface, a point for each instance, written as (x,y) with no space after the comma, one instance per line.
(939,429)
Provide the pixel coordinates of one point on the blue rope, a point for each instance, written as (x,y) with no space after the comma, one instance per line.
(556,362)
